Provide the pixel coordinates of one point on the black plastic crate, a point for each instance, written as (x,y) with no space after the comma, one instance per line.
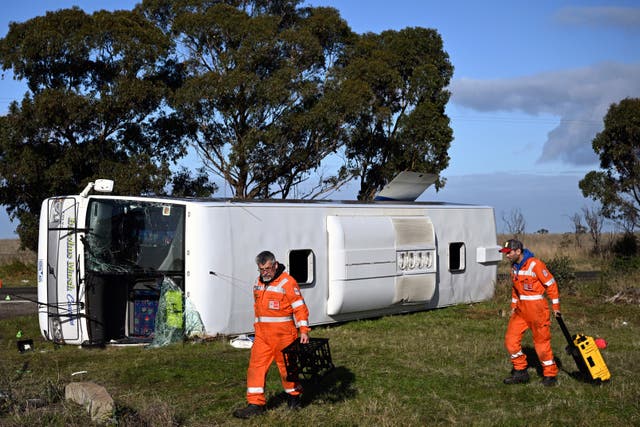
(307,361)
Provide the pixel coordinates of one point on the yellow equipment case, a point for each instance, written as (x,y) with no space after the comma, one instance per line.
(586,354)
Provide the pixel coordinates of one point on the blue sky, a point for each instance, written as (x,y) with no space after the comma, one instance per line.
(532,83)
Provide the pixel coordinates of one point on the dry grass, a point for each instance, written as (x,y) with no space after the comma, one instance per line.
(10,251)
(578,248)
(617,278)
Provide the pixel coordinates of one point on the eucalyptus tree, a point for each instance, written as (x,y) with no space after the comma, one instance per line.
(258,98)
(94,108)
(398,81)
(617,184)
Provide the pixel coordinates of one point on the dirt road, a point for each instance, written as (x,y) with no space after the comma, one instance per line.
(18,303)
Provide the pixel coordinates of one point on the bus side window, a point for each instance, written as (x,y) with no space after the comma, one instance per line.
(302,266)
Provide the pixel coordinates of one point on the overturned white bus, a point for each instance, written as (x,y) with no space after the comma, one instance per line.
(102,259)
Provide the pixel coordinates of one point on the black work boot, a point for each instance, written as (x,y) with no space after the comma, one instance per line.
(294,402)
(250,411)
(517,377)
(549,381)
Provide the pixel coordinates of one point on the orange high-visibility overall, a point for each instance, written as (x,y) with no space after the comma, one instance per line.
(530,281)
(279,310)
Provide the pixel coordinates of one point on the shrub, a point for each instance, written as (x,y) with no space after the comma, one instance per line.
(625,245)
(623,265)
(562,269)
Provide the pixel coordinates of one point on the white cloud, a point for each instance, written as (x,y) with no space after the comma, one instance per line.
(616,17)
(579,97)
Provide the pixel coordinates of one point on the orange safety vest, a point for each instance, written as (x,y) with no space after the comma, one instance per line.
(530,281)
(280,302)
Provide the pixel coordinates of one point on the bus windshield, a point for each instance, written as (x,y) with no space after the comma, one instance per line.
(129,235)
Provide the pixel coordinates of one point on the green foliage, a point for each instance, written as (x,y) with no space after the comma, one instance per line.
(269,93)
(626,245)
(563,271)
(95,108)
(617,185)
(274,89)
(396,81)
(257,94)
(184,185)
(624,265)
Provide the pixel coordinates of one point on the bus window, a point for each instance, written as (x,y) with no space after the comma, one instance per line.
(126,235)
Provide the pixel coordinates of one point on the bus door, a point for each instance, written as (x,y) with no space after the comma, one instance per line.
(63,269)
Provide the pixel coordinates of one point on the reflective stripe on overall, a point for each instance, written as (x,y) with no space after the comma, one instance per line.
(279,311)
(532,312)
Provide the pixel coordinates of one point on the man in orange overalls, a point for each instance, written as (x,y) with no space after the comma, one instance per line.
(279,311)
(530,310)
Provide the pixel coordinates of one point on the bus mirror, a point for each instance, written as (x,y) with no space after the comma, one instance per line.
(103,185)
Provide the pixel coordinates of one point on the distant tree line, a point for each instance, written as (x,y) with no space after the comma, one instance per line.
(270,94)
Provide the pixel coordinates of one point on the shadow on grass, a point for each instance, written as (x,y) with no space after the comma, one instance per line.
(532,359)
(582,373)
(332,387)
(578,375)
(534,362)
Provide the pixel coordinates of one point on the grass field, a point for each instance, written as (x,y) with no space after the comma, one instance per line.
(441,367)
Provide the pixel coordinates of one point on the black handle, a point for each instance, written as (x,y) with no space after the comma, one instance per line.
(565,331)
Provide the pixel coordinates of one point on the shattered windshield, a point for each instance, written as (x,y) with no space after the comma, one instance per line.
(128,235)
